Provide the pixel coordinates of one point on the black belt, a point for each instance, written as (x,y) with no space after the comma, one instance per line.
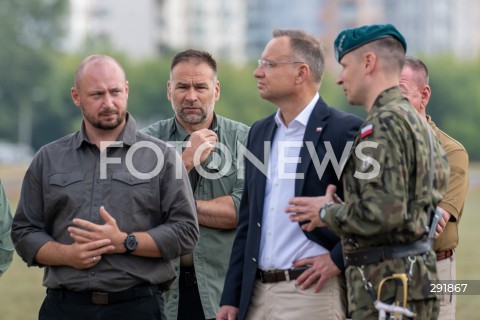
(273,276)
(366,256)
(97,297)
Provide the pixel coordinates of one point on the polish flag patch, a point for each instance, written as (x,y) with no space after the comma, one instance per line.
(365,131)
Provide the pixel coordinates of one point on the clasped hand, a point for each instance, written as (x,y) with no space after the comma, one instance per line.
(92,240)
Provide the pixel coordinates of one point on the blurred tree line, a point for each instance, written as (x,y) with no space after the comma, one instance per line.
(35,82)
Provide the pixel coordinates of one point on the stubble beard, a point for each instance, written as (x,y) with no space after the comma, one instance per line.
(198,116)
(107,124)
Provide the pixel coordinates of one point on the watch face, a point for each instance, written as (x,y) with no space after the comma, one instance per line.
(131,242)
(322,213)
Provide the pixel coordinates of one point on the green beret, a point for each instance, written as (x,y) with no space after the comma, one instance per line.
(351,39)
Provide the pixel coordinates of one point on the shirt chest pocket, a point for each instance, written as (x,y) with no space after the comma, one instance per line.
(65,192)
(218,178)
(131,195)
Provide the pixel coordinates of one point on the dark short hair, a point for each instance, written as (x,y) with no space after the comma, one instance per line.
(197,56)
(389,50)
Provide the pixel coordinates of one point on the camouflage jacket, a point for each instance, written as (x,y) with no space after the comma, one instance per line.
(386,182)
(386,178)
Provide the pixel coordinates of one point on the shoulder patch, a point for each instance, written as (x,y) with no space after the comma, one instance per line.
(365,131)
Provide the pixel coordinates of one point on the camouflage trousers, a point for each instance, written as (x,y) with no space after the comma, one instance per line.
(420,271)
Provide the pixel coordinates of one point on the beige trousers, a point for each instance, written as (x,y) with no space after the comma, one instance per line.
(284,301)
(446,270)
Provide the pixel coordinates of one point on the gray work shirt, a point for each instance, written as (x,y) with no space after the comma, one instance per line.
(64,182)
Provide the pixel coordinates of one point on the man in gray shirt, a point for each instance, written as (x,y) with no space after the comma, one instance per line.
(105,209)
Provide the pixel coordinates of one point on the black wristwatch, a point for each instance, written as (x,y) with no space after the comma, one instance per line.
(130,243)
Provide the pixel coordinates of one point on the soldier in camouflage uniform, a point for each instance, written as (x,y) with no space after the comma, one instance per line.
(385,219)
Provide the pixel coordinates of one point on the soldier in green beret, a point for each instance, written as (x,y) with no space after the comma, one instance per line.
(394,177)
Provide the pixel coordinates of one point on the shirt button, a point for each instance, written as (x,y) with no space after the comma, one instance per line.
(92,273)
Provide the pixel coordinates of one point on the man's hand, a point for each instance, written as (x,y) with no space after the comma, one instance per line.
(87,255)
(76,255)
(308,208)
(201,141)
(442,223)
(227,313)
(87,231)
(321,269)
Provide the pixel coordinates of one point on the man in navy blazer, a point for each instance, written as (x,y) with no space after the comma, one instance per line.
(276,270)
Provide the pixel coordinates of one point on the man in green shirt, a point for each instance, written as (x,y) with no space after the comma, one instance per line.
(6,245)
(211,149)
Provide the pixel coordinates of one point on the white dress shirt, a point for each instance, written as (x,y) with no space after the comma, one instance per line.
(282,241)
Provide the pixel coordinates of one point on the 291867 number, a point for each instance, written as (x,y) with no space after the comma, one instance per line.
(448,287)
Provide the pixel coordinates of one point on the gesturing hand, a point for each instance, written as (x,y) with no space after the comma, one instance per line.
(87,232)
(306,209)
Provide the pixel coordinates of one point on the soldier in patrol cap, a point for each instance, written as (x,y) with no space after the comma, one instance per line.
(394,177)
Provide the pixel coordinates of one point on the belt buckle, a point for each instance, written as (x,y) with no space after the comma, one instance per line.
(99,298)
(262,276)
(260,273)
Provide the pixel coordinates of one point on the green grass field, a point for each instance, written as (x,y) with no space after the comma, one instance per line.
(21,290)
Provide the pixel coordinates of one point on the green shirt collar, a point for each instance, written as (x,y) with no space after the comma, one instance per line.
(180,134)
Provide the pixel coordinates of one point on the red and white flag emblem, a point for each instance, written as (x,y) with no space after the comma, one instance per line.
(365,131)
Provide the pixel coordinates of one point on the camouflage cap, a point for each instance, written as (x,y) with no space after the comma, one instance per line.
(351,39)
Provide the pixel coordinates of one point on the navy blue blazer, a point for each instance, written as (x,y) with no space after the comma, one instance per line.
(338,128)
